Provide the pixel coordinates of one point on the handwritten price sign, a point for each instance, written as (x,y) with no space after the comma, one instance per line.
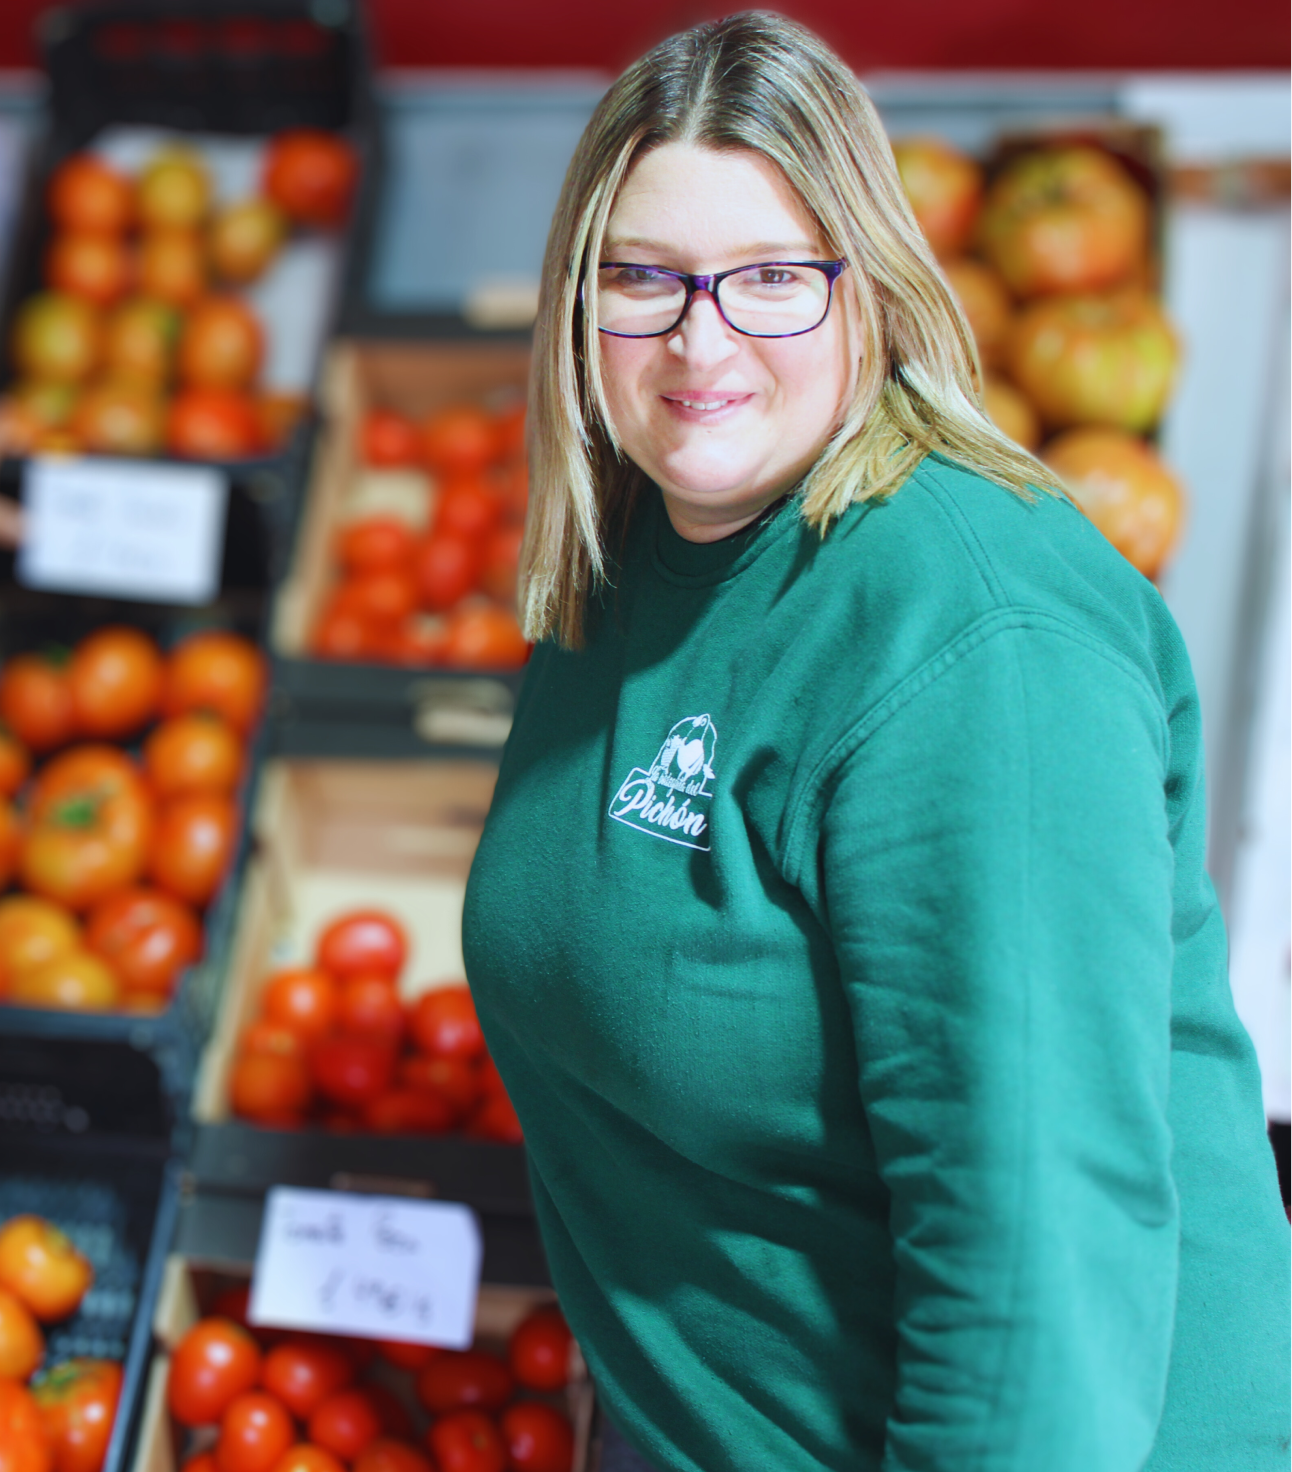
(373,1266)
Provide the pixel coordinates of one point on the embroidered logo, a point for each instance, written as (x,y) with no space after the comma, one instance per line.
(671,800)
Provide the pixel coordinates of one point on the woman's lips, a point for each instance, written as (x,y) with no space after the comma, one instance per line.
(706,407)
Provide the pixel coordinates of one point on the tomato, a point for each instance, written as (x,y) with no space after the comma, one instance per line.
(379,599)
(218,672)
(91,823)
(271,1038)
(171,267)
(57,337)
(1099,360)
(489,1077)
(417,641)
(514,491)
(447,568)
(362,943)
(409,1112)
(42,406)
(300,998)
(501,563)
(193,753)
(36,701)
(392,1412)
(278,414)
(342,634)
(78,1403)
(306,1458)
(193,845)
(345,1423)
(139,340)
(78,981)
(985,302)
(370,1006)
(93,266)
(173,192)
(509,431)
(464,1378)
(33,931)
(538,1438)
(485,637)
(375,544)
(22,1345)
(255,1431)
(116,680)
(11,839)
(303,1374)
(244,239)
(539,1350)
(453,1079)
(443,1023)
(222,345)
(944,187)
(1123,486)
(467,507)
(384,1455)
(86,194)
(214,1362)
(43,1267)
(120,417)
(1064,219)
(467,1441)
(311,175)
(496,1119)
(388,440)
(24,1445)
(147,938)
(213,424)
(15,764)
(406,1356)
(271,1089)
(458,441)
(352,1071)
(1010,412)
(203,1462)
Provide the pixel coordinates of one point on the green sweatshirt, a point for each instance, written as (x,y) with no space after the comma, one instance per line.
(841,932)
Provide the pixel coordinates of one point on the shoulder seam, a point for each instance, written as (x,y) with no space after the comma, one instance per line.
(964,531)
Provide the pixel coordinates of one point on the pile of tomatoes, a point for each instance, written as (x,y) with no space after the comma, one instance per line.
(117,853)
(62,1421)
(140,343)
(446,596)
(1051,261)
(319,1403)
(335,1044)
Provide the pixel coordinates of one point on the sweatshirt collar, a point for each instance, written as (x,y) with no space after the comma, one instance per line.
(682,560)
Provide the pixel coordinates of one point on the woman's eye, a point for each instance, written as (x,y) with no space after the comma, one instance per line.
(639,278)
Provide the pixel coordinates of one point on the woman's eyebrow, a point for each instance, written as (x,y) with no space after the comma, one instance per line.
(767,249)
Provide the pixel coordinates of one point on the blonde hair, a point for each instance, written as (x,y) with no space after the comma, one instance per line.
(762,83)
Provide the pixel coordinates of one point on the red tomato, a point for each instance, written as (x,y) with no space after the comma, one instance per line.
(458,440)
(417,641)
(341,634)
(36,701)
(485,637)
(24,1446)
(369,1006)
(501,562)
(380,599)
(406,1356)
(352,1071)
(219,673)
(391,1456)
(193,753)
(222,345)
(345,1423)
(11,837)
(444,1024)
(311,175)
(304,1373)
(467,1441)
(490,1079)
(362,943)
(389,439)
(271,1039)
(271,1089)
(78,1402)
(214,1362)
(115,677)
(409,1112)
(300,998)
(447,567)
(192,845)
(203,1462)
(93,266)
(539,1350)
(538,1438)
(458,1379)
(496,1120)
(255,1431)
(375,544)
(85,194)
(213,424)
(453,1079)
(509,431)
(467,508)
(146,937)
(306,1458)
(395,1420)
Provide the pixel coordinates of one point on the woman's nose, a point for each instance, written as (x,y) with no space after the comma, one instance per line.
(702,338)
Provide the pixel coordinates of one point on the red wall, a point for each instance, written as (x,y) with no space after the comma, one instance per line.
(1115,34)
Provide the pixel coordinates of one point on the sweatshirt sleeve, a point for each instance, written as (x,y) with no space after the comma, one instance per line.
(996,865)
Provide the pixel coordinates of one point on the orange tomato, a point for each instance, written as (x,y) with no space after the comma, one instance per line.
(192,845)
(270,1089)
(115,677)
(171,267)
(218,672)
(311,175)
(32,932)
(304,1000)
(36,701)
(944,187)
(57,337)
(1010,411)
(221,346)
(139,340)
(278,415)
(93,266)
(11,838)
(255,1432)
(24,1446)
(375,544)
(122,416)
(78,1403)
(193,753)
(86,194)
(43,1267)
(985,302)
(272,1039)
(75,981)
(388,439)
(245,238)
(22,1345)
(484,636)
(15,764)
(213,1363)
(173,192)
(146,937)
(458,441)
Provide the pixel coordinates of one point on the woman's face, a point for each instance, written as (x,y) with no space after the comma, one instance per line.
(724,424)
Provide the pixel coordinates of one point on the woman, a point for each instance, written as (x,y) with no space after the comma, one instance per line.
(840,927)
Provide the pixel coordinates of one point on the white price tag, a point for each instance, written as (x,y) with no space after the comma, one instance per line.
(373,1266)
(124,528)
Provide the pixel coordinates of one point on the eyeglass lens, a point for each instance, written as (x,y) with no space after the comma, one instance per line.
(763,301)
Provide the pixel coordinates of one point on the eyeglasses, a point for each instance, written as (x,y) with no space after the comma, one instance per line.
(771,299)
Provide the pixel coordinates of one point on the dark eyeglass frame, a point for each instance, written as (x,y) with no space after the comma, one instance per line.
(831,270)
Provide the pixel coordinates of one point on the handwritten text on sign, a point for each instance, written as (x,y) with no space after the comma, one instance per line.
(123,528)
(375,1266)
